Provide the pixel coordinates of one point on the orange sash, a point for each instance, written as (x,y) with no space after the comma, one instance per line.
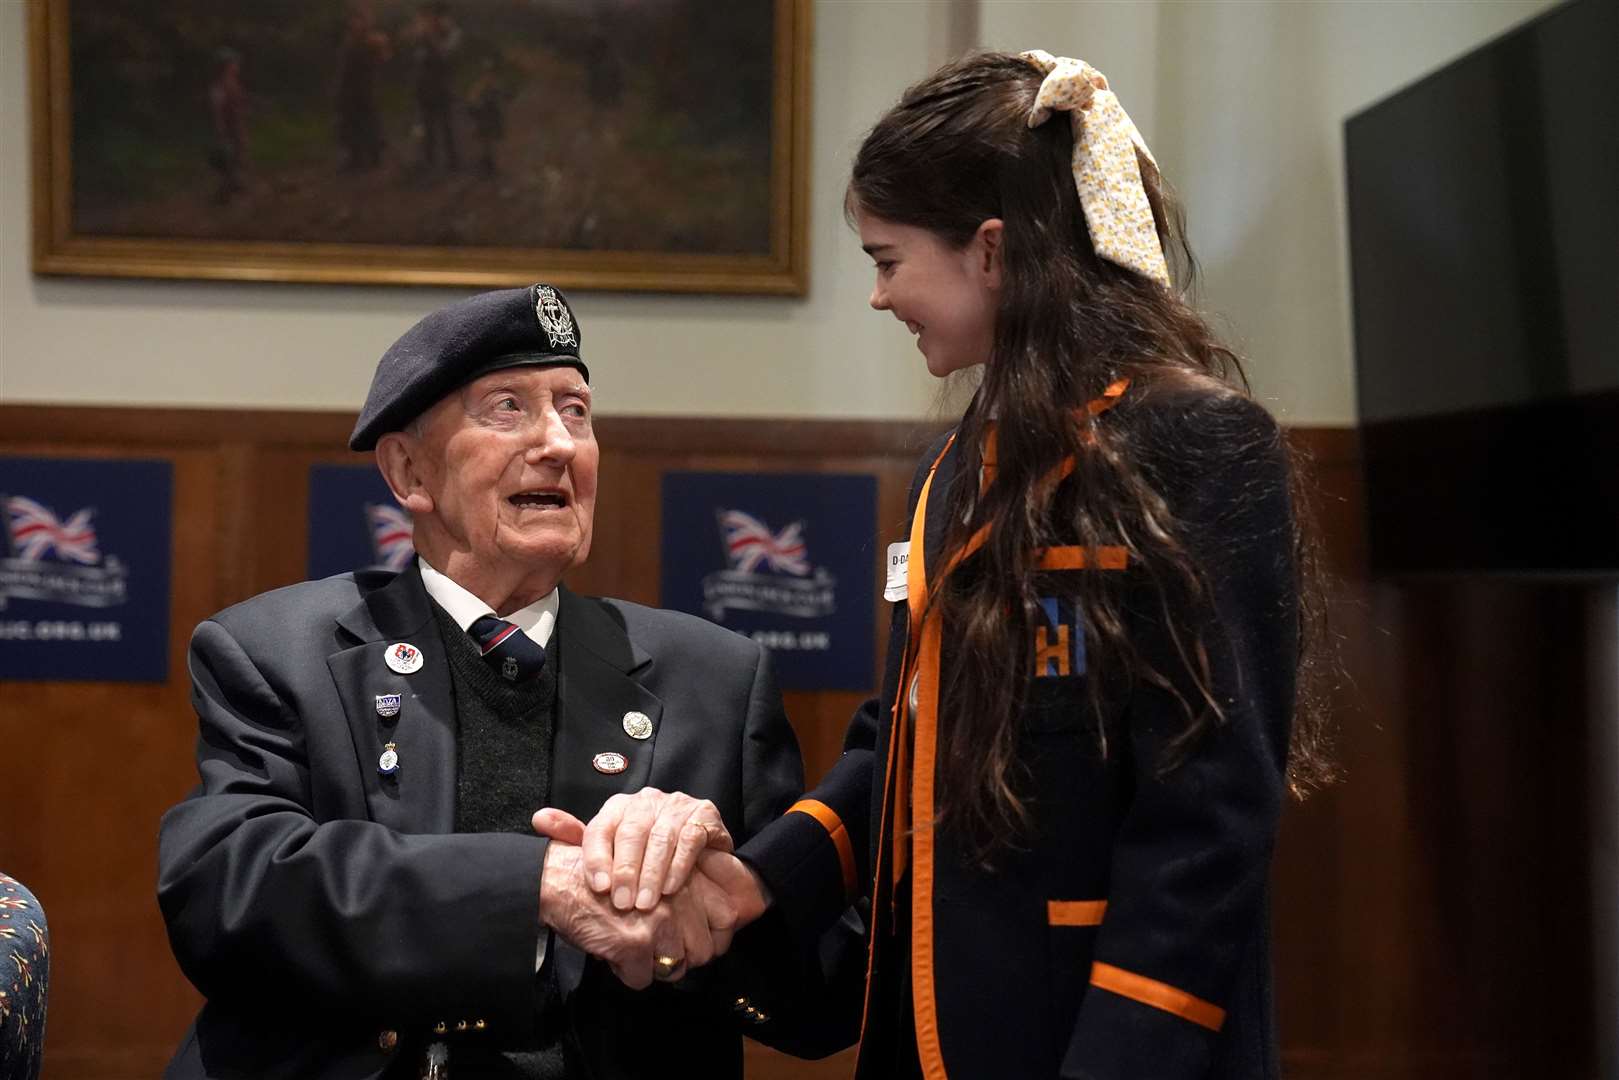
(913,739)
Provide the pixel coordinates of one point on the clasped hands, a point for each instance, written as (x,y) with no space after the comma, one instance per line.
(651,886)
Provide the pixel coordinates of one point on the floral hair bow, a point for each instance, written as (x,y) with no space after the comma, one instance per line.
(1106,173)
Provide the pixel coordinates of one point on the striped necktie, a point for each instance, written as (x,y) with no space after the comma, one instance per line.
(514,655)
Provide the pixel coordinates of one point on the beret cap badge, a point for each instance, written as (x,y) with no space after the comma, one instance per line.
(554,317)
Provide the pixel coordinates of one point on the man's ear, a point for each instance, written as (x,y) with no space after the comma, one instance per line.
(396,459)
(986,250)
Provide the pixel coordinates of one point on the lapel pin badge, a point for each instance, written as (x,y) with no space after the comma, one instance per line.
(638,725)
(403,657)
(388,763)
(388,705)
(610,763)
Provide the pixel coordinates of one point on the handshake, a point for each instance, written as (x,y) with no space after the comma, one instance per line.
(650,886)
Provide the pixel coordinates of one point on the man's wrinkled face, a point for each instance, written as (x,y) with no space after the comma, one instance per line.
(510,463)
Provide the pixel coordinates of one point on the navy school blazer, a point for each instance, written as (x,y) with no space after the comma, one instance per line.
(1128,935)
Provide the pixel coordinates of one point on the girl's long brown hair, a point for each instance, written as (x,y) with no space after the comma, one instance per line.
(955,152)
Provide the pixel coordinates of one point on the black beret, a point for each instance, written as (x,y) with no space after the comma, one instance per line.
(456,344)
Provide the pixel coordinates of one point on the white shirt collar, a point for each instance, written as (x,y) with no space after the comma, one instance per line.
(538,620)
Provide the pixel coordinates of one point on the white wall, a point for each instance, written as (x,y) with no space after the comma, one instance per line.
(1242,101)
(1243,104)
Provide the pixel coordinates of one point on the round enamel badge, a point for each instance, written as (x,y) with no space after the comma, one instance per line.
(638,725)
(610,763)
(403,657)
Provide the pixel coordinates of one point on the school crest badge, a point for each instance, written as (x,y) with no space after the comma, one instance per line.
(1059,640)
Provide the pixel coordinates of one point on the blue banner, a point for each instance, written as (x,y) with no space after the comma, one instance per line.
(354,522)
(84,570)
(786,559)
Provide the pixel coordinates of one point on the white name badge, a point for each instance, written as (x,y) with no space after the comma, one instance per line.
(899,557)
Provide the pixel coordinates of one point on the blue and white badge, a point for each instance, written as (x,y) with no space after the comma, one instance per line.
(388,763)
(388,705)
(404,658)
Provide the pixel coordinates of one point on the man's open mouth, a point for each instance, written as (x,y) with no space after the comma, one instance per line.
(539,500)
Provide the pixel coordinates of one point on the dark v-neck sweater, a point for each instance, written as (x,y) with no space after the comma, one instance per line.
(503,739)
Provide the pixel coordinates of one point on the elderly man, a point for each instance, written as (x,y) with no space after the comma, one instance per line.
(357,886)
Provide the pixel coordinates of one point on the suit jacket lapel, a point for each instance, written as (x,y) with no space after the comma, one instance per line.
(420,797)
(596,665)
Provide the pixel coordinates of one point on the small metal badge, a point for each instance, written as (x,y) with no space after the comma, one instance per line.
(610,763)
(388,705)
(388,763)
(403,657)
(554,317)
(508,668)
(638,725)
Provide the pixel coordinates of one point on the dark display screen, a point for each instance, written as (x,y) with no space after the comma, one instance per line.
(1484,235)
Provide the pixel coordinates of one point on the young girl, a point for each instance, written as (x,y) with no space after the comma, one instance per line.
(1062,808)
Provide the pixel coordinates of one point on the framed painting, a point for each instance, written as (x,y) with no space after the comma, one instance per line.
(654,145)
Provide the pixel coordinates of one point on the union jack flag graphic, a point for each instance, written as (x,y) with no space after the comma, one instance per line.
(391,533)
(749,543)
(36,533)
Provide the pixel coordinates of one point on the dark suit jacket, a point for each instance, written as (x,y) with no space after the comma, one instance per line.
(330,916)
(1127,935)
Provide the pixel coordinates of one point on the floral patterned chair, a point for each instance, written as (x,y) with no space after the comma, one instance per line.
(25,961)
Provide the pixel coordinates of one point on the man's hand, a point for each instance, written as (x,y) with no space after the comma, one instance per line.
(642,846)
(689,929)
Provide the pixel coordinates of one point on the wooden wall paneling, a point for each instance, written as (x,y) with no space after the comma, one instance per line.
(624,558)
(1345,923)
(760,1062)
(1315,871)
(1495,691)
(1433,909)
(241,486)
(87,771)
(274,496)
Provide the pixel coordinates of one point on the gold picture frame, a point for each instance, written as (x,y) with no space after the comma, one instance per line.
(150,216)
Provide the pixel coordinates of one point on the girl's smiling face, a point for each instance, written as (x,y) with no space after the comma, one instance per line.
(944,295)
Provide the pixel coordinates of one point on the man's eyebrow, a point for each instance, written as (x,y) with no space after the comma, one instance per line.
(470,393)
